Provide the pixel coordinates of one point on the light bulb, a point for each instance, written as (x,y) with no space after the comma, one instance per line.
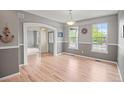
(70,22)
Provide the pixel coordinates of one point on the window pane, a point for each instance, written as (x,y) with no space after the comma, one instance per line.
(72,33)
(73,42)
(73,37)
(99,36)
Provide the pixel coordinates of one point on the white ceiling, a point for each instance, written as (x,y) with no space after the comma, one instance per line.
(38,28)
(63,15)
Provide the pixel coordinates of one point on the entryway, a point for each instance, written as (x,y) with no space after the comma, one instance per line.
(39,38)
(33,40)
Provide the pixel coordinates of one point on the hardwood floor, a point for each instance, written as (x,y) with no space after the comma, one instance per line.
(65,68)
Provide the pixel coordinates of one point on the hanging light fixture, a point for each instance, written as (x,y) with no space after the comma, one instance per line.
(70,21)
(43,29)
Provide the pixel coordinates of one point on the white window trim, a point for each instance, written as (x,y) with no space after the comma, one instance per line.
(76,48)
(100,51)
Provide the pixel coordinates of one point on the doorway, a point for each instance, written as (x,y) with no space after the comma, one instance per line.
(33,40)
(50,42)
(42,43)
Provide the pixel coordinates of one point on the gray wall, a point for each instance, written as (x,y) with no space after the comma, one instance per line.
(85,41)
(8,62)
(14,56)
(32,38)
(21,53)
(9,57)
(50,48)
(28,17)
(35,39)
(121,43)
(50,44)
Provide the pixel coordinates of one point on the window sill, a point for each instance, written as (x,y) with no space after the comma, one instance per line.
(73,48)
(99,51)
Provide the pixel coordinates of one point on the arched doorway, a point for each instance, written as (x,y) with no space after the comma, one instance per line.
(25,29)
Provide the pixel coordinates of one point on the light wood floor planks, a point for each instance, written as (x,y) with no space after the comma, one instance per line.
(65,68)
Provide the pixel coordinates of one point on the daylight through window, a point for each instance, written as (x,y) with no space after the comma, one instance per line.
(73,37)
(99,37)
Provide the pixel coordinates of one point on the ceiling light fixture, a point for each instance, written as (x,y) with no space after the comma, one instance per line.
(70,21)
(43,29)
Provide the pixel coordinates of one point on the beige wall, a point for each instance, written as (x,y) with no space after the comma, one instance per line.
(10,18)
(44,41)
(9,55)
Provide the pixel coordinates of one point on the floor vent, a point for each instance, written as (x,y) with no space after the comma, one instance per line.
(98,60)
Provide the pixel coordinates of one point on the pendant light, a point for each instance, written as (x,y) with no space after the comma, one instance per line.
(70,21)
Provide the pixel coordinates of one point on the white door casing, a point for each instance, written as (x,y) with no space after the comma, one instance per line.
(25,29)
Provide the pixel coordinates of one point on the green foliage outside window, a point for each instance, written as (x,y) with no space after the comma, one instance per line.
(98,36)
(73,37)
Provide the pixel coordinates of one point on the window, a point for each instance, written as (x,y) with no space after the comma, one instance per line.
(73,37)
(99,37)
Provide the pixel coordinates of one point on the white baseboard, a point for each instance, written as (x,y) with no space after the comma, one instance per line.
(9,76)
(98,59)
(22,65)
(91,58)
(119,73)
(59,54)
(9,47)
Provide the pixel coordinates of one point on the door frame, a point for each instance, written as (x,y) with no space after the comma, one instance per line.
(25,28)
